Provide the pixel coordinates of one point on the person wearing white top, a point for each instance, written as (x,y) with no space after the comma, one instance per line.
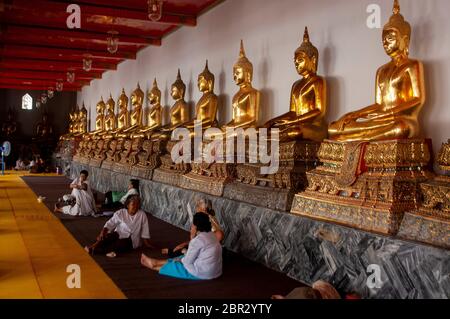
(83,198)
(202,205)
(111,203)
(126,230)
(203,259)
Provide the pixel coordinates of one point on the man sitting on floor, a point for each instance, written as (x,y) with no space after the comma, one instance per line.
(83,202)
(125,231)
(203,259)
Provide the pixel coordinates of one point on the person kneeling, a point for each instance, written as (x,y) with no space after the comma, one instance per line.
(125,231)
(203,259)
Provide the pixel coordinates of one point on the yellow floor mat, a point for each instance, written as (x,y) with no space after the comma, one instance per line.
(36,249)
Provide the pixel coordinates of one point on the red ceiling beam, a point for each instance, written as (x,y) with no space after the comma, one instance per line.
(77,36)
(45,83)
(18,51)
(43,75)
(106,14)
(47,65)
(34,88)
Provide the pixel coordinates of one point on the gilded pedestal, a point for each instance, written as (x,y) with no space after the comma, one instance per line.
(121,162)
(148,159)
(100,153)
(276,191)
(169,172)
(365,185)
(113,154)
(430,223)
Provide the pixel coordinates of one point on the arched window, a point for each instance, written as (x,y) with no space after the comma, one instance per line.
(27,102)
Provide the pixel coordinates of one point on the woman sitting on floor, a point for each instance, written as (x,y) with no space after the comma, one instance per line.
(81,202)
(112,201)
(203,259)
(203,205)
(125,231)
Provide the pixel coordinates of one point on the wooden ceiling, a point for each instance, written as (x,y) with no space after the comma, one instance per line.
(37,48)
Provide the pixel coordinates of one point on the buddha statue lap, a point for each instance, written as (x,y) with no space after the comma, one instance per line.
(375,157)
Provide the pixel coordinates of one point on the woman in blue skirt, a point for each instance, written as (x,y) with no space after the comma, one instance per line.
(203,259)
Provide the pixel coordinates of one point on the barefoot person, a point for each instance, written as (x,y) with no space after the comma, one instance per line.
(125,231)
(83,199)
(203,205)
(203,259)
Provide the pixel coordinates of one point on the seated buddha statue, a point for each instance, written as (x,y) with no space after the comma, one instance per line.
(100,119)
(82,122)
(179,112)
(246,101)
(123,118)
(154,117)
(137,100)
(400,93)
(44,129)
(306,117)
(10,126)
(110,117)
(206,108)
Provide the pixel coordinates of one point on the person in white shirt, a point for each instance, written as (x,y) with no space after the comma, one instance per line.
(83,198)
(126,230)
(203,205)
(133,189)
(203,259)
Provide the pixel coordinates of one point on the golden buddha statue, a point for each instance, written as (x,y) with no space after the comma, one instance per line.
(10,126)
(100,119)
(44,129)
(246,101)
(154,117)
(306,118)
(123,118)
(137,101)
(400,93)
(110,118)
(179,112)
(82,122)
(206,108)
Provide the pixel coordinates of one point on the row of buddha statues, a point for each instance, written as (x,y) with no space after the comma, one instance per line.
(363,170)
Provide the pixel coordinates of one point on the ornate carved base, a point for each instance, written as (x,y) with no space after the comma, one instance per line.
(108,164)
(418,226)
(96,162)
(122,168)
(142,172)
(84,160)
(166,176)
(204,184)
(267,197)
(365,185)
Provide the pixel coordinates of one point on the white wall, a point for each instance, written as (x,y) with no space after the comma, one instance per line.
(350,53)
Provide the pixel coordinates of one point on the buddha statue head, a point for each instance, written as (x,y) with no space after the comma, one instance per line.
(110,104)
(137,97)
(123,101)
(243,69)
(178,88)
(306,56)
(396,34)
(101,106)
(154,95)
(206,80)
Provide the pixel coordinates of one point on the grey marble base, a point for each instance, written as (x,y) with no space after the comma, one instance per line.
(304,249)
